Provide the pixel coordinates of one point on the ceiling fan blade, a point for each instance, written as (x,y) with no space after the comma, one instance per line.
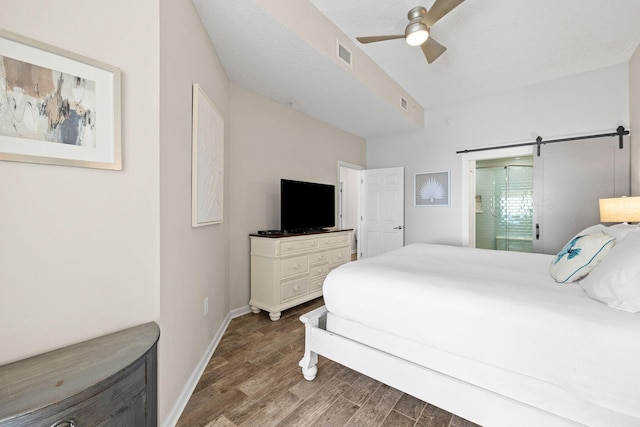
(373,39)
(432,49)
(439,9)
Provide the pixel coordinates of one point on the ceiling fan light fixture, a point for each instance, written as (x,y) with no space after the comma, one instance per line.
(416,34)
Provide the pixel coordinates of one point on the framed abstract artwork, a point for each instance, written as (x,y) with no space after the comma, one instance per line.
(432,189)
(207,167)
(57,107)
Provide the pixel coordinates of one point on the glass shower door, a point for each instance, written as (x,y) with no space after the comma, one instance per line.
(504,204)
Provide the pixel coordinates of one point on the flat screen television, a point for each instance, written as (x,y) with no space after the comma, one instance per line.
(306,206)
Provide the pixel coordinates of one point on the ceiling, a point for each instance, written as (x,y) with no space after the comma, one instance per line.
(278,48)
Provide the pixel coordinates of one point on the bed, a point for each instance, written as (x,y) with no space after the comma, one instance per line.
(491,336)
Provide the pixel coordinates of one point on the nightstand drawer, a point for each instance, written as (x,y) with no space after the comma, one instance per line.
(292,266)
(294,288)
(94,410)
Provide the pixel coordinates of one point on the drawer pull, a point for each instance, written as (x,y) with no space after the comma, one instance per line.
(296,288)
(296,267)
(65,423)
(340,256)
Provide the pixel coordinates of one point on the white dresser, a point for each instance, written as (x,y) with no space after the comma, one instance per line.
(287,270)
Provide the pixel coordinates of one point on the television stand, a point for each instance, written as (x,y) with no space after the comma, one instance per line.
(289,269)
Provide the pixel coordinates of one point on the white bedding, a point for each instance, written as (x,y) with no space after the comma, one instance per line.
(502,309)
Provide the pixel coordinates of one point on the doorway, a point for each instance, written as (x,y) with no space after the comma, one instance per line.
(371,202)
(348,200)
(504,204)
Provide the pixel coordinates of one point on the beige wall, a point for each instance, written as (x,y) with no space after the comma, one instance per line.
(193,261)
(634,118)
(85,252)
(270,141)
(79,248)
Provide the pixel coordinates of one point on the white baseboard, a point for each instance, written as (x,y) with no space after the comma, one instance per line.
(192,382)
(241,311)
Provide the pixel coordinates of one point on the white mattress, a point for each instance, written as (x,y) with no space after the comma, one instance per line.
(501,309)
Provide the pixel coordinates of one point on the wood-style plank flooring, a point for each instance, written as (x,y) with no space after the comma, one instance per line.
(253,379)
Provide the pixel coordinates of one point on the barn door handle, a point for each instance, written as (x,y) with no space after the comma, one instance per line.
(398,227)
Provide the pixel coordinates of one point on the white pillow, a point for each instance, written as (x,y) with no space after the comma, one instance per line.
(580,256)
(619,231)
(616,281)
(591,230)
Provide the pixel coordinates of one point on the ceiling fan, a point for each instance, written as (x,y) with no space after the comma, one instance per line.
(419,27)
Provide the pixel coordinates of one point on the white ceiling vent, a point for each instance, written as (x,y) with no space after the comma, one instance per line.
(344,54)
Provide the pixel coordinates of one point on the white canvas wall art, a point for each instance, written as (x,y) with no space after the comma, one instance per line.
(207,161)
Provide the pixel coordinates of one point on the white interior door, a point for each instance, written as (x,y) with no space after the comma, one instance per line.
(382,211)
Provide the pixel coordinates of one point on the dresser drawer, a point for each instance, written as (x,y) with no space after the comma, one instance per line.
(329,241)
(294,288)
(318,270)
(292,266)
(292,246)
(318,258)
(339,256)
(316,284)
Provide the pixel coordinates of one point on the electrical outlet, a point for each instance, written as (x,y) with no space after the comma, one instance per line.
(206,306)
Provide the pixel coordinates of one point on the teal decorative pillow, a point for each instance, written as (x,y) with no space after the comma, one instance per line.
(580,256)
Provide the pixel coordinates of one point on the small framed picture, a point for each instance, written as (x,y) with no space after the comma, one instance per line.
(432,189)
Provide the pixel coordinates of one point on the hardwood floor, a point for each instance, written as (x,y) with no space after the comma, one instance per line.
(253,379)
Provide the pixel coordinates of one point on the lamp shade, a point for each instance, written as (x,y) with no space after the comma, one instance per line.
(620,209)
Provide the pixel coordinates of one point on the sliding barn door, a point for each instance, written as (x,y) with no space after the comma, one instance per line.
(569,178)
(382,211)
